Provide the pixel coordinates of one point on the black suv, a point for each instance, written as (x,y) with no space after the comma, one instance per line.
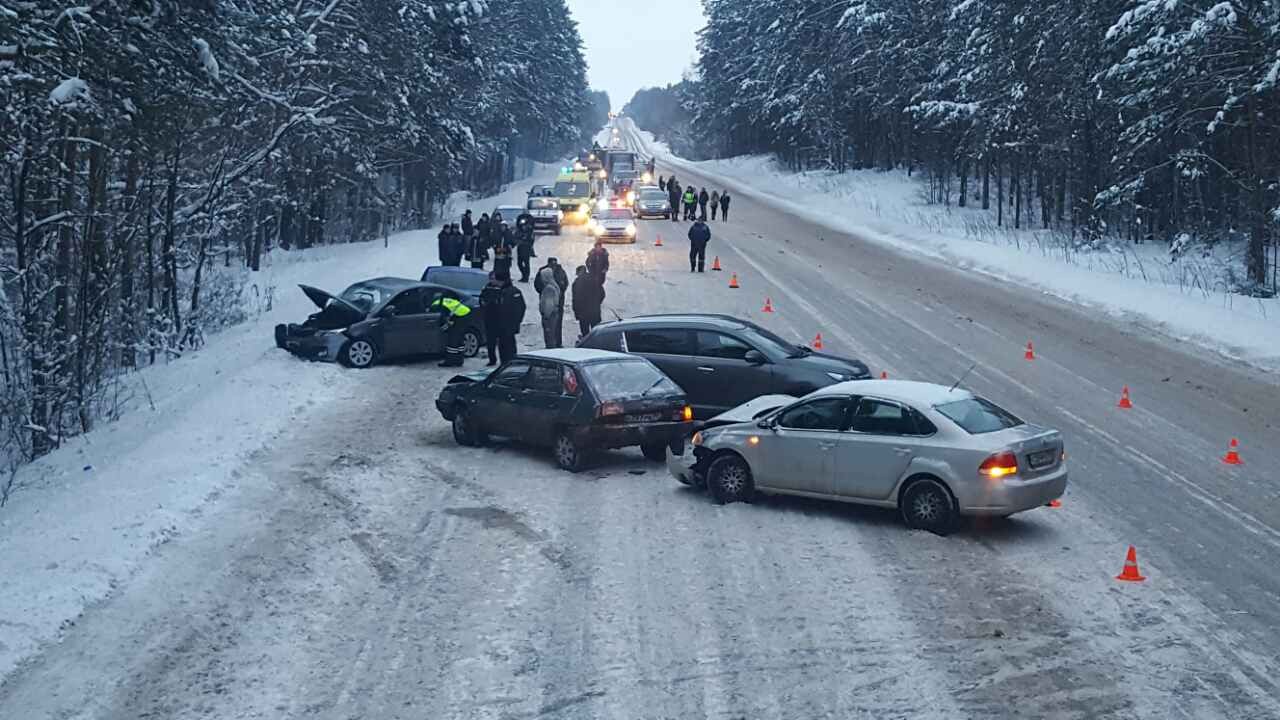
(722,361)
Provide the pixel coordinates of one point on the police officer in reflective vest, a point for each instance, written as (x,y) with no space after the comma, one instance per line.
(452,328)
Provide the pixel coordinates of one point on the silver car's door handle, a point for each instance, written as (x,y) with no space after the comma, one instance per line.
(706,368)
(902,451)
(826,445)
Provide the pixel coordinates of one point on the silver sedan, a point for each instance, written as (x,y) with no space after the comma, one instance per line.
(933,452)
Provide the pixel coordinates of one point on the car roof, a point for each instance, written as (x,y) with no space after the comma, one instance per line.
(922,394)
(576,355)
(388,283)
(688,319)
(503,208)
(457,269)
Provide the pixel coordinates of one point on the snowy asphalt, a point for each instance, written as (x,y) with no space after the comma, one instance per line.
(366,567)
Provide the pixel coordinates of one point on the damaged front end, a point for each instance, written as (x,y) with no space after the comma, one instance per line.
(324,332)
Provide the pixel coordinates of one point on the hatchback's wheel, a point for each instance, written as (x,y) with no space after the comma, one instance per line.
(471,342)
(729,479)
(358,353)
(927,505)
(654,452)
(465,430)
(569,454)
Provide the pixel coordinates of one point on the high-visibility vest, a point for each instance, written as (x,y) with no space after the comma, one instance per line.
(455,308)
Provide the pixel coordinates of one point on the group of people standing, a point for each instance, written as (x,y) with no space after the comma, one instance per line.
(473,241)
(552,284)
(688,204)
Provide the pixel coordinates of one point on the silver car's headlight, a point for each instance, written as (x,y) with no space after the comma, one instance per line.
(839,377)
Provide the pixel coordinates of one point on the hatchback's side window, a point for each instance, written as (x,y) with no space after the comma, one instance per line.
(545,378)
(820,414)
(882,417)
(719,345)
(660,341)
(512,376)
(410,302)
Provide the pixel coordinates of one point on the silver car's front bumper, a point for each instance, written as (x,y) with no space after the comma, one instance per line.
(681,466)
(1013,495)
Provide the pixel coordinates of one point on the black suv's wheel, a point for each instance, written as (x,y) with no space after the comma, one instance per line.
(569,454)
(654,452)
(471,342)
(358,353)
(729,479)
(465,430)
(926,504)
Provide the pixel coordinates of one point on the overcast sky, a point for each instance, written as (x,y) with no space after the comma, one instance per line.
(637,43)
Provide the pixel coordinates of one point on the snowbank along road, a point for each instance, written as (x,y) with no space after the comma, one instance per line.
(367,567)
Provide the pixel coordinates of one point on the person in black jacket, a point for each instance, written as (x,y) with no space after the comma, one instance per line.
(443,242)
(482,228)
(524,244)
(504,243)
(699,236)
(703,199)
(452,246)
(673,197)
(512,308)
(467,226)
(724,206)
(477,250)
(598,261)
(491,314)
(588,296)
(662,183)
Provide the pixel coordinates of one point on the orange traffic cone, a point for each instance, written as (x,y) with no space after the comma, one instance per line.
(1233,456)
(817,342)
(659,242)
(715,264)
(884,375)
(1130,572)
(768,305)
(1124,398)
(1031,352)
(733,281)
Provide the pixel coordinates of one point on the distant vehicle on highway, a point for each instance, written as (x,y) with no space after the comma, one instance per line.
(546,213)
(651,202)
(575,401)
(933,452)
(376,320)
(574,190)
(722,361)
(613,224)
(466,280)
(542,191)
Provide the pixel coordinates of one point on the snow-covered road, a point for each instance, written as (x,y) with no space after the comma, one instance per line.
(364,566)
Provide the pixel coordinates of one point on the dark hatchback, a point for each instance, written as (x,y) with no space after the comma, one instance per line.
(376,320)
(722,361)
(572,400)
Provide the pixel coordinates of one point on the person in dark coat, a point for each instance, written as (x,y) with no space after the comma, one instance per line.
(598,261)
(703,199)
(588,296)
(673,199)
(662,183)
(443,242)
(482,228)
(699,236)
(562,280)
(715,203)
(491,314)
(724,206)
(452,247)
(477,250)
(504,243)
(495,222)
(524,244)
(467,226)
(511,311)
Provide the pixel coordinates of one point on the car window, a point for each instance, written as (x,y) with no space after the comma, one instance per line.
(924,426)
(882,417)
(409,302)
(977,416)
(820,414)
(434,297)
(660,341)
(628,379)
(605,340)
(513,375)
(719,345)
(545,378)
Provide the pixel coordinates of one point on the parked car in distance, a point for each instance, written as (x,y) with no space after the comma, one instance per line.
(573,400)
(931,451)
(467,280)
(722,361)
(509,214)
(542,191)
(546,214)
(651,202)
(376,320)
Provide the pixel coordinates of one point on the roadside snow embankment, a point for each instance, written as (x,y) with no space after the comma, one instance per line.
(1183,298)
(85,517)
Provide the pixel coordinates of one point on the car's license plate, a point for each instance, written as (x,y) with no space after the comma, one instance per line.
(1041,459)
(646,417)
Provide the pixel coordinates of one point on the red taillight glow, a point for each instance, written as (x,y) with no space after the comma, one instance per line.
(999,465)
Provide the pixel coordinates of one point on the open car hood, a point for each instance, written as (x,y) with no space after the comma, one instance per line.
(322,299)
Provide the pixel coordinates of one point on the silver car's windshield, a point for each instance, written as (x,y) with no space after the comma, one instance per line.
(628,380)
(977,416)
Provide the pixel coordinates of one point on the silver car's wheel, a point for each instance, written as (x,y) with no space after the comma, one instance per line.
(927,505)
(359,353)
(729,479)
(471,343)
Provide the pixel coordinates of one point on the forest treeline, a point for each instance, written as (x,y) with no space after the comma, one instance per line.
(149,143)
(1141,119)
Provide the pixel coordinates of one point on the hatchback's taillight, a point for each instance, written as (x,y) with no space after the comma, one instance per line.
(685,414)
(999,465)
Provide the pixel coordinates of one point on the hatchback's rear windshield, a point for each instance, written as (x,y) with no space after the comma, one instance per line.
(978,416)
(628,380)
